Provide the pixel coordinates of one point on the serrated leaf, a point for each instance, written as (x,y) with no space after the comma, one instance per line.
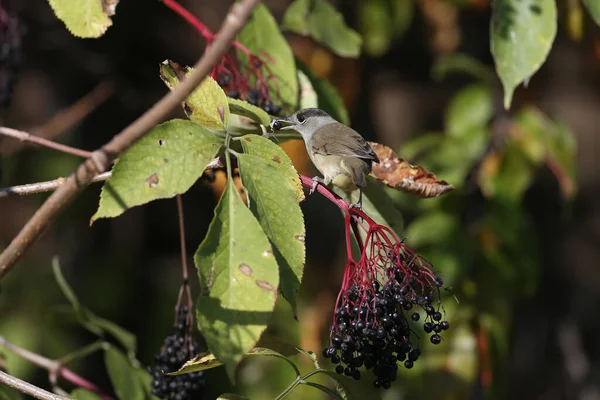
(236,264)
(275,205)
(83,18)
(122,375)
(522,33)
(323,23)
(83,394)
(261,35)
(275,156)
(470,108)
(328,98)
(241,107)
(207,105)
(593,7)
(209,361)
(162,164)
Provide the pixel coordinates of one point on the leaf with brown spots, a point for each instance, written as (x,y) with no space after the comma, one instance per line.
(398,174)
(207,105)
(165,162)
(237,259)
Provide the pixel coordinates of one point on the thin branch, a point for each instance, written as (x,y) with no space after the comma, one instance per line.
(49,186)
(28,137)
(54,368)
(42,187)
(184,265)
(28,388)
(327,193)
(67,118)
(102,158)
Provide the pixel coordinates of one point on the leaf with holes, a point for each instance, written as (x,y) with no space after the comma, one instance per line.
(522,33)
(275,156)
(328,98)
(162,164)
(396,173)
(593,7)
(276,207)
(123,375)
(323,23)
(207,105)
(262,37)
(84,18)
(236,264)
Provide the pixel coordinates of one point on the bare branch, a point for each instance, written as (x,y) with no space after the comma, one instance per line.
(28,388)
(101,159)
(42,187)
(28,137)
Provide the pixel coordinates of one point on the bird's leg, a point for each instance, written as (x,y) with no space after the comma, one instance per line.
(359,204)
(316,181)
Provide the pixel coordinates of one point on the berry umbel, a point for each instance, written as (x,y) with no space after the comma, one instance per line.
(178,348)
(384,297)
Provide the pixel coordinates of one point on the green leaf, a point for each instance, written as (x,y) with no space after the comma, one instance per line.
(243,108)
(273,202)
(231,396)
(207,105)
(236,264)
(470,108)
(275,156)
(381,21)
(8,393)
(162,164)
(209,361)
(123,336)
(83,18)
(262,37)
(146,382)
(522,33)
(308,96)
(350,389)
(123,376)
(452,63)
(328,98)
(83,394)
(593,7)
(323,23)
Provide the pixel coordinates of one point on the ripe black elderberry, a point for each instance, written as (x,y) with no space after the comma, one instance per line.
(178,348)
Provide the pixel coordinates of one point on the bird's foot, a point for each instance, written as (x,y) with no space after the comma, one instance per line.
(316,181)
(356,205)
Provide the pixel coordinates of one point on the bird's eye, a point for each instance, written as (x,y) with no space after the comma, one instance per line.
(301,118)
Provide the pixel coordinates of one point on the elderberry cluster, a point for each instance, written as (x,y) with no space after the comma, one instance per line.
(178,348)
(255,97)
(372,329)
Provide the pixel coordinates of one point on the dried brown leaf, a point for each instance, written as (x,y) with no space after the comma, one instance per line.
(397,173)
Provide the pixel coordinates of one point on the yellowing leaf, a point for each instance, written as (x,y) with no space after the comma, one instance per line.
(207,105)
(83,18)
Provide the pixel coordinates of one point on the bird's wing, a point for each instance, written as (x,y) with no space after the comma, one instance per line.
(340,140)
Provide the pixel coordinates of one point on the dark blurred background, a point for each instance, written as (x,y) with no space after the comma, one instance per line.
(535,343)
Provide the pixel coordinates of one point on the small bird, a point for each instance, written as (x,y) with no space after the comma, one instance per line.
(339,152)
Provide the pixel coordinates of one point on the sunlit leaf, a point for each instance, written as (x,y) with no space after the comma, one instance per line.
(308,96)
(246,109)
(231,396)
(122,375)
(593,7)
(396,173)
(261,35)
(83,18)
(207,105)
(162,164)
(237,266)
(522,33)
(325,24)
(275,156)
(328,98)
(276,207)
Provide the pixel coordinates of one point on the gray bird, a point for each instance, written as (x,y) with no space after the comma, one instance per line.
(338,151)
